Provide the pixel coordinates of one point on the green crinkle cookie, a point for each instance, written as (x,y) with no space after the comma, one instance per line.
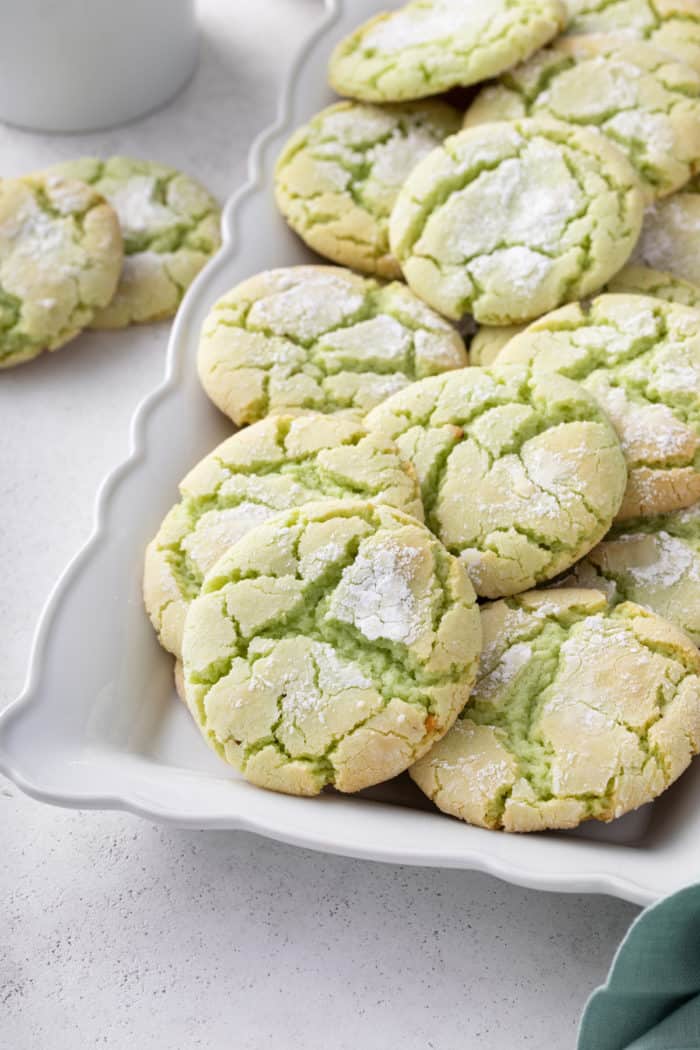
(429,46)
(319,339)
(670,238)
(271,466)
(652,561)
(508,220)
(332,645)
(638,96)
(60,257)
(338,176)
(640,358)
(520,474)
(170,225)
(579,711)
(671,25)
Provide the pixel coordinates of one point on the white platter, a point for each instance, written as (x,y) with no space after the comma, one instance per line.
(98,725)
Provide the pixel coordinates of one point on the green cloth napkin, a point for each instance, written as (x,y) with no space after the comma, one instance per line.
(651,1000)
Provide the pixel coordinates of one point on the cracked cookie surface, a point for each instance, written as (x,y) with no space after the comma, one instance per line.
(170,225)
(319,339)
(579,711)
(338,176)
(640,358)
(508,220)
(671,25)
(271,466)
(60,257)
(332,645)
(642,280)
(671,235)
(652,561)
(647,104)
(632,279)
(520,474)
(431,45)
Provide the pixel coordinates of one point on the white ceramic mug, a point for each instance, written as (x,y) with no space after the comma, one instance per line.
(77,65)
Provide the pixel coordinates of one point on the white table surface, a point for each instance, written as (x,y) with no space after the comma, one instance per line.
(116,931)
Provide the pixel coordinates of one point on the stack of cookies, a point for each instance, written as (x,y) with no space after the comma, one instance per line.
(486,573)
(97,244)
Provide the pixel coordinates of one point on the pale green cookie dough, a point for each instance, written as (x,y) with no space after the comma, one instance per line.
(580,711)
(489,341)
(640,358)
(60,257)
(170,225)
(641,280)
(278,463)
(429,46)
(670,25)
(338,176)
(520,474)
(652,561)
(319,339)
(670,238)
(331,646)
(639,97)
(506,221)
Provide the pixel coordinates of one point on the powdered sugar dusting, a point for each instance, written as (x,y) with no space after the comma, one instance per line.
(441,20)
(44,239)
(217,530)
(521,268)
(674,561)
(646,431)
(379,337)
(314,563)
(376,597)
(307,309)
(393,160)
(504,673)
(306,686)
(653,129)
(137,208)
(336,674)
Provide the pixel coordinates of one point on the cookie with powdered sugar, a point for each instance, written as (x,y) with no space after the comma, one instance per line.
(428,46)
(521,474)
(338,176)
(640,358)
(580,711)
(331,646)
(507,220)
(60,256)
(275,464)
(319,339)
(670,25)
(670,236)
(646,103)
(652,561)
(170,225)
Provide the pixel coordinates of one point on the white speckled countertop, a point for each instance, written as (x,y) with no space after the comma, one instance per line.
(115,931)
